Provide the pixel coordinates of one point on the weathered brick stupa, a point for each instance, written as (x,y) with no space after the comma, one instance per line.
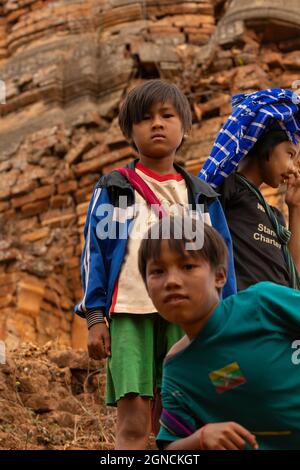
(65,66)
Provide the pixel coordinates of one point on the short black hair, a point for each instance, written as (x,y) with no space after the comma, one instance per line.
(214,249)
(265,144)
(140,99)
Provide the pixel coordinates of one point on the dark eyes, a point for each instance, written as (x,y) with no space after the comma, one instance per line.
(185,267)
(156,271)
(165,116)
(189,267)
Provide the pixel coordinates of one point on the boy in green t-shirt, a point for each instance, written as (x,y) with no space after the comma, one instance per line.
(239,366)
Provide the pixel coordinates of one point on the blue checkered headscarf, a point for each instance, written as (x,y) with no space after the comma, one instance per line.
(252,115)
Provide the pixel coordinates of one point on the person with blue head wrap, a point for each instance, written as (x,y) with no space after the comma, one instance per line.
(259,143)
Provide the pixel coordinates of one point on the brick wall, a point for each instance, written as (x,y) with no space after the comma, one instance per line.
(66,67)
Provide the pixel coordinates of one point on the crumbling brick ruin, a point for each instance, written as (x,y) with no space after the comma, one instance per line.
(65,66)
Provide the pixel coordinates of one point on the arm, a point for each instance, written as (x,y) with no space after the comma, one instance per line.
(94,280)
(216,436)
(179,431)
(294,244)
(292,199)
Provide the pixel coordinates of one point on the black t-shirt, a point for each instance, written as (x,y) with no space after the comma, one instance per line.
(258,255)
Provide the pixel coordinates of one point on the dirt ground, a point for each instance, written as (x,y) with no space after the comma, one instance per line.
(53,399)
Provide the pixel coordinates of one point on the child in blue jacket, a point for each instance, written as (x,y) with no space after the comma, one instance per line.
(154,118)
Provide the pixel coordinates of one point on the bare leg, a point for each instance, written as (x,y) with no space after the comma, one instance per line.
(156,412)
(133,422)
(157,403)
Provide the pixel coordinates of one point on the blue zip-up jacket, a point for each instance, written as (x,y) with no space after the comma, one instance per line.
(103,256)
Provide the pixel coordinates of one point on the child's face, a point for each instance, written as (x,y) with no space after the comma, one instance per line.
(281,164)
(183,289)
(160,132)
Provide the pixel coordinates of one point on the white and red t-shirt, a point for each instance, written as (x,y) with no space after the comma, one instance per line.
(130,294)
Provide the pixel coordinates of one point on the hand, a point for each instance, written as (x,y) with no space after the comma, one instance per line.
(226,436)
(292,195)
(99,341)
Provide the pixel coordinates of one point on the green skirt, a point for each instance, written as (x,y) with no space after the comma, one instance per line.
(139,344)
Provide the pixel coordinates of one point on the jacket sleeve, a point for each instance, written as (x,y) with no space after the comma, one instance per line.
(218,221)
(93,270)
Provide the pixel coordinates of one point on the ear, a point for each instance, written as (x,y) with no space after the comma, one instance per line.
(220,277)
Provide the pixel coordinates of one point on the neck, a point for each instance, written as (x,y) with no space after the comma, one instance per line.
(163,166)
(193,329)
(250,169)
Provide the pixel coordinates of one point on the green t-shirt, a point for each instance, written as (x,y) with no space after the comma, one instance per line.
(240,368)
